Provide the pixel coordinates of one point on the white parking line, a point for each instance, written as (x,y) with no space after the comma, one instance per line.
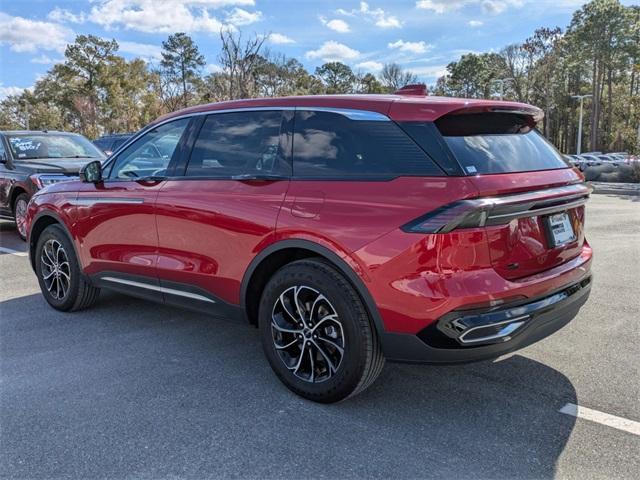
(612,421)
(11,251)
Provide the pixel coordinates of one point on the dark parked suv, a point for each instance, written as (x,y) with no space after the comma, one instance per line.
(349,229)
(31,160)
(110,143)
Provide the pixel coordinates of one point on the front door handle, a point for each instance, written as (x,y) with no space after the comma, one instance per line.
(151,179)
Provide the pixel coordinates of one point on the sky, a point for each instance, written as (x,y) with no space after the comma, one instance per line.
(422,36)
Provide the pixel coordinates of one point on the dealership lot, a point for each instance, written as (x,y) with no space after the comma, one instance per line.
(137,390)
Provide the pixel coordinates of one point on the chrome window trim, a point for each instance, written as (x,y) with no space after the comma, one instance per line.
(350,113)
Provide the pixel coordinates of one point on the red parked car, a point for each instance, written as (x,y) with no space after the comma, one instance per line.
(349,229)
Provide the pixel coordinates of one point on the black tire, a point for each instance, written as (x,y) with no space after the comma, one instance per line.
(357,366)
(79,293)
(19,211)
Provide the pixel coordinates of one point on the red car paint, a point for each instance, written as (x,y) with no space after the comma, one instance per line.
(207,233)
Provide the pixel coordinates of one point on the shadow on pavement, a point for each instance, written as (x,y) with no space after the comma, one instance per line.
(133,389)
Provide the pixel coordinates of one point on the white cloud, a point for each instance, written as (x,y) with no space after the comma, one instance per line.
(440,6)
(239,17)
(493,7)
(24,35)
(279,39)
(168,16)
(63,15)
(143,50)
(332,51)
(377,15)
(6,91)
(213,68)
(45,60)
(430,71)
(335,24)
(370,65)
(412,47)
(475,23)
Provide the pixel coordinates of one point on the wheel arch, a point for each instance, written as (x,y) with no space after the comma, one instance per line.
(41,221)
(15,192)
(275,256)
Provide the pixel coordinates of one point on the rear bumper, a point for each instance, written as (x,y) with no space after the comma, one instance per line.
(439,343)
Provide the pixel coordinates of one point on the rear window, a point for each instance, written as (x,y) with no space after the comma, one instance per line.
(486,143)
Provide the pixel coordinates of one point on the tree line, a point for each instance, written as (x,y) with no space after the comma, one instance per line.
(96,91)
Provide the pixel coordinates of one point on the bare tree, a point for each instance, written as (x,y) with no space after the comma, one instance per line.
(394,78)
(238,60)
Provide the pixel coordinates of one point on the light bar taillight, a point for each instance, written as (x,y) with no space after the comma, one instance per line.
(479,212)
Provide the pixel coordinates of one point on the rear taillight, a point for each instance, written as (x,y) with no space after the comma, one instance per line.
(479,212)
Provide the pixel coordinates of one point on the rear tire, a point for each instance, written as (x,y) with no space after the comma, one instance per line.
(20,214)
(329,352)
(59,273)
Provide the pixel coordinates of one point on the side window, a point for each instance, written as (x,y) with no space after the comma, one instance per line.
(238,143)
(151,153)
(2,150)
(331,145)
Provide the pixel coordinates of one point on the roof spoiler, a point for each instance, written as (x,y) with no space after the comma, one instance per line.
(536,114)
(417,89)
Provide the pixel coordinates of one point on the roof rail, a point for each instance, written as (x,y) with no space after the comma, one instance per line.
(418,89)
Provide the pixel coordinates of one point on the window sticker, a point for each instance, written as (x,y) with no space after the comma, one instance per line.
(471,169)
(24,145)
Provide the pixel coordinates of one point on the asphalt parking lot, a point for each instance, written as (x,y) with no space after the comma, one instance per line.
(131,389)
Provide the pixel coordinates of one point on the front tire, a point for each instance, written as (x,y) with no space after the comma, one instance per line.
(317,334)
(59,274)
(20,214)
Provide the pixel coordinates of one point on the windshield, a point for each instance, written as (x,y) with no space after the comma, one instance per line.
(33,146)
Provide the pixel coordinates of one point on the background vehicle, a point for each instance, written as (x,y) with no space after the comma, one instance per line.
(110,143)
(30,160)
(349,229)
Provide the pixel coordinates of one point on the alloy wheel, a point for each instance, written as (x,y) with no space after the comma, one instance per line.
(307,334)
(21,216)
(56,271)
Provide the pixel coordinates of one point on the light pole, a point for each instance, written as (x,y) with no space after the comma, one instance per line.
(579,141)
(501,82)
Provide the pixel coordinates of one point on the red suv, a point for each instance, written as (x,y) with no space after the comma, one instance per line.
(349,229)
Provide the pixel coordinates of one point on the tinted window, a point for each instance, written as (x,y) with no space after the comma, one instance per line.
(151,153)
(238,143)
(498,143)
(331,145)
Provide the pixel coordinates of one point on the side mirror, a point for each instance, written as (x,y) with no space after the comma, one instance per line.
(91,172)
(4,157)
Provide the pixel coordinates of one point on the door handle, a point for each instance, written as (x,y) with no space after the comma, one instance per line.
(151,179)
